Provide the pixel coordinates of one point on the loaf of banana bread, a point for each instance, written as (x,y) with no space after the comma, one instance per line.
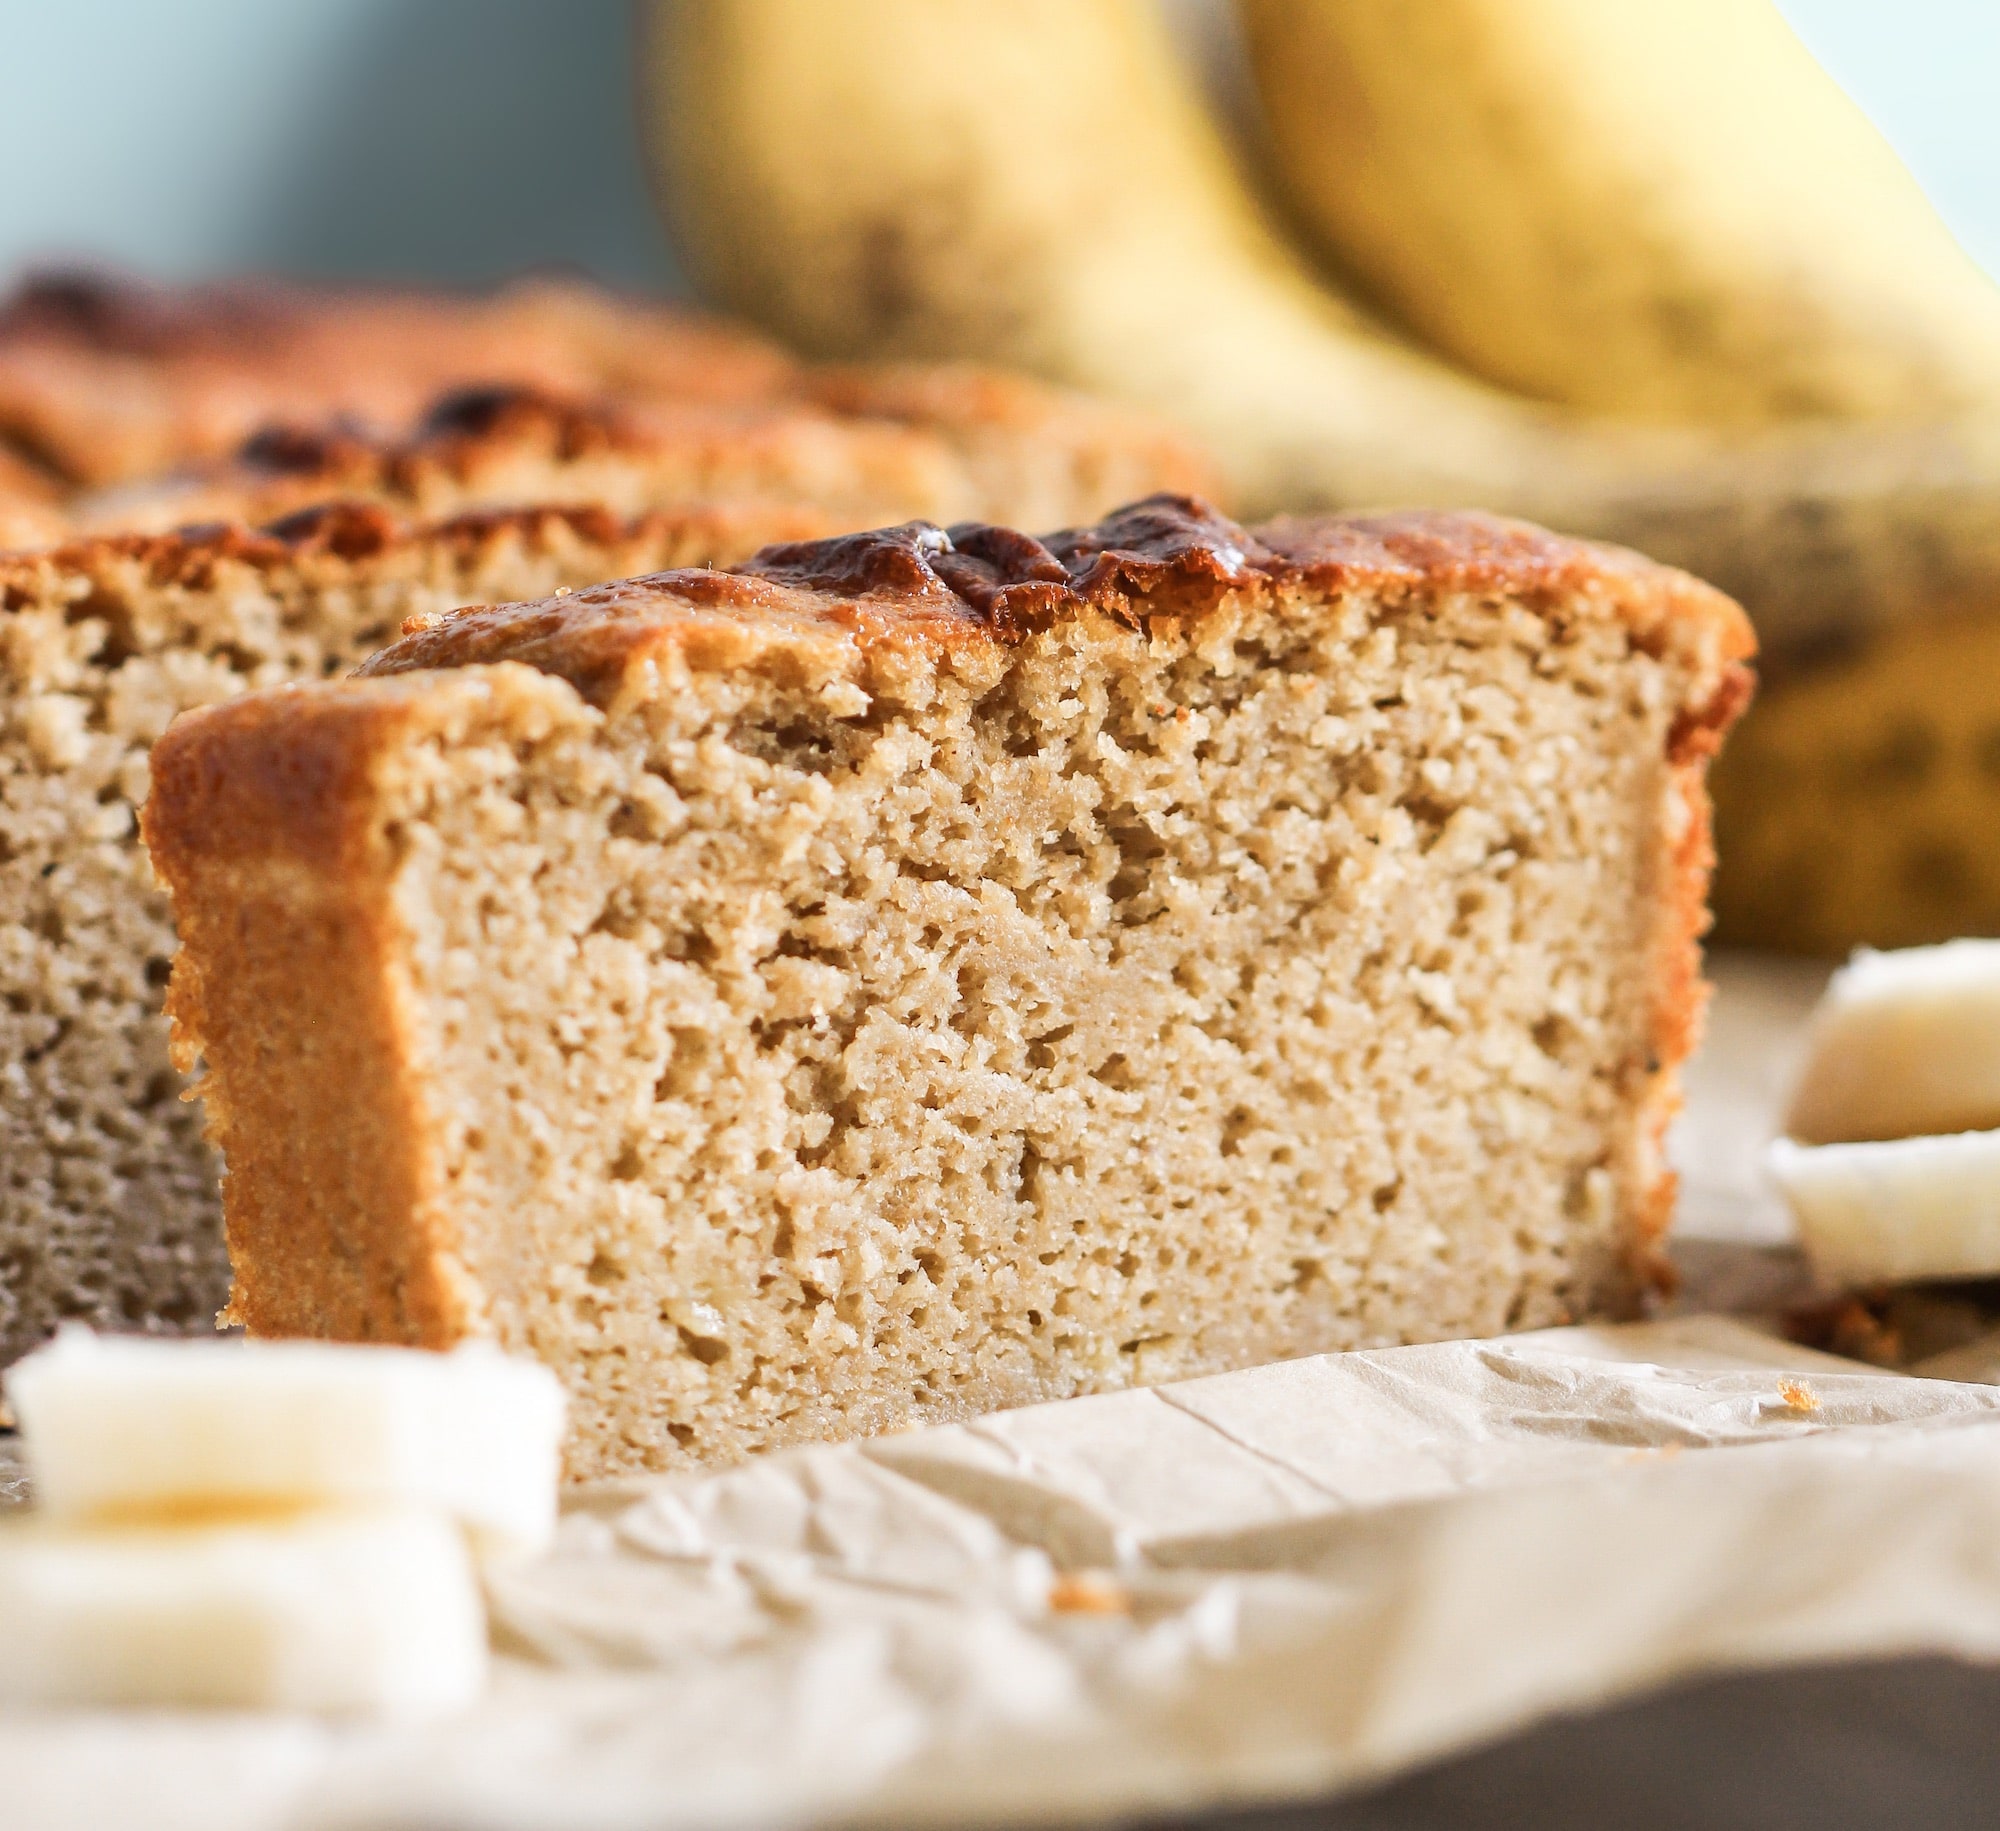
(934,970)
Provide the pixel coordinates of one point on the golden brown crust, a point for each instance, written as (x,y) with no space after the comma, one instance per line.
(103,380)
(286,760)
(246,401)
(967,402)
(304,778)
(1163,556)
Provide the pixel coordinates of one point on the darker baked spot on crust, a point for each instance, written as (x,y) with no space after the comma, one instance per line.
(462,420)
(881,562)
(103,311)
(292,451)
(1160,540)
(353,530)
(1001,573)
(474,412)
(1012,581)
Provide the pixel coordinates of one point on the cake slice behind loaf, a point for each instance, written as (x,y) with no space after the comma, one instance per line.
(139,408)
(867,445)
(924,972)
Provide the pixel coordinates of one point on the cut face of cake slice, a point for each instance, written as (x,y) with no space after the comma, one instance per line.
(109,1211)
(923,972)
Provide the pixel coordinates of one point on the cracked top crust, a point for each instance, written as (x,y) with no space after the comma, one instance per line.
(1171,556)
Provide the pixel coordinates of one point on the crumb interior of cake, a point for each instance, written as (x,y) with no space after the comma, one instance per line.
(823,1045)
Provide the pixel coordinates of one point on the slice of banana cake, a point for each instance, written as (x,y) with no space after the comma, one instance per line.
(109,1209)
(927,970)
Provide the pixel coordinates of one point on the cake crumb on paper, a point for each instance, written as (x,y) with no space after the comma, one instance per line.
(1086,1593)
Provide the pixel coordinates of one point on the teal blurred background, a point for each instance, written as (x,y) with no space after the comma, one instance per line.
(460,140)
(451,140)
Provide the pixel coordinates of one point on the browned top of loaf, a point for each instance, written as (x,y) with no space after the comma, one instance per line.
(103,380)
(466,429)
(886,423)
(358,532)
(1169,556)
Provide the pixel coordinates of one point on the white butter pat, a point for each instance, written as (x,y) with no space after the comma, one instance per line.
(122,1427)
(336,1610)
(1898,1209)
(1903,1044)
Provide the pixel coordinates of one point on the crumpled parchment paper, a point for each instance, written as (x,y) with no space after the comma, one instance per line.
(1266,1584)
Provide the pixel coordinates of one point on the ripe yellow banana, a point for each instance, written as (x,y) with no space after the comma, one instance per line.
(1654,210)
(1036,182)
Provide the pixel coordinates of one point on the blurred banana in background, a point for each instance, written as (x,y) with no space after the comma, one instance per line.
(1669,211)
(1760,356)
(1036,182)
